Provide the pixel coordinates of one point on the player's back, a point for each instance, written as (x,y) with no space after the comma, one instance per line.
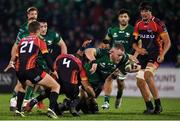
(68,67)
(28,50)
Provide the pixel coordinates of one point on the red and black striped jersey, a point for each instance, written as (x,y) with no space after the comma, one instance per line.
(69,68)
(27,51)
(149,33)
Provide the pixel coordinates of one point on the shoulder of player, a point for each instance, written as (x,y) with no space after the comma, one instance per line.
(158,21)
(138,22)
(130,27)
(51,32)
(23,26)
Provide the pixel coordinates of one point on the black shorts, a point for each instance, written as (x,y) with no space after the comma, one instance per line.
(150,58)
(34,75)
(70,90)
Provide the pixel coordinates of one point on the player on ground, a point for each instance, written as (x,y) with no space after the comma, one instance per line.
(120,33)
(27,53)
(155,43)
(103,63)
(69,68)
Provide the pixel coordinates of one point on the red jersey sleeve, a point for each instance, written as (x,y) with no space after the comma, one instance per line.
(161,27)
(43,46)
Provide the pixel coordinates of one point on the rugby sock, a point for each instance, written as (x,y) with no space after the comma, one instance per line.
(53,100)
(119,94)
(20,98)
(14,93)
(106,98)
(43,95)
(29,93)
(157,102)
(149,105)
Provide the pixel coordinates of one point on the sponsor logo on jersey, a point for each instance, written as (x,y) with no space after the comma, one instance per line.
(49,42)
(121,31)
(115,35)
(147,36)
(127,34)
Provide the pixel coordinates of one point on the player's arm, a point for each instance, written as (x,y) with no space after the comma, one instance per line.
(166,41)
(13,52)
(63,46)
(46,56)
(80,52)
(85,83)
(90,54)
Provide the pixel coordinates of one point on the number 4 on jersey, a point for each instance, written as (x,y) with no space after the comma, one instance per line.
(66,62)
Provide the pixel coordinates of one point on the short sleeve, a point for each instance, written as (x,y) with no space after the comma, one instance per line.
(57,38)
(161,27)
(136,31)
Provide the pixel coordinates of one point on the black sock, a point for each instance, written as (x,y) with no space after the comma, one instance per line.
(149,105)
(157,102)
(119,94)
(14,93)
(20,98)
(53,100)
(43,95)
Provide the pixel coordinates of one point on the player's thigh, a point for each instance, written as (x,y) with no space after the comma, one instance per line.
(48,81)
(70,90)
(37,76)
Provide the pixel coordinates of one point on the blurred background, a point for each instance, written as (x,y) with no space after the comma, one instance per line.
(76,20)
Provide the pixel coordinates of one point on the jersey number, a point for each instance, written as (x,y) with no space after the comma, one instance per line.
(66,62)
(25,44)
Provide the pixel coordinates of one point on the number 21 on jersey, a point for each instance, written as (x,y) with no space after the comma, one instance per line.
(26,44)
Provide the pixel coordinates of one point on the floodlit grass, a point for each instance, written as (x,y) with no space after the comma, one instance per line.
(132,108)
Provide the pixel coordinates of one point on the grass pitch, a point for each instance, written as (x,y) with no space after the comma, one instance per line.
(132,108)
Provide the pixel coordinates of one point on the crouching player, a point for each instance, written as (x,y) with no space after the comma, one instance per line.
(27,52)
(69,68)
(105,64)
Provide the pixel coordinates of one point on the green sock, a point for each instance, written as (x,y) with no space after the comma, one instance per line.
(29,93)
(106,98)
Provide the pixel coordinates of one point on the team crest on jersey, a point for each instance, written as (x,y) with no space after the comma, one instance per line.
(49,42)
(115,35)
(149,30)
(121,31)
(127,34)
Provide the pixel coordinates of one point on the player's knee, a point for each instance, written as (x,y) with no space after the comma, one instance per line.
(140,82)
(148,75)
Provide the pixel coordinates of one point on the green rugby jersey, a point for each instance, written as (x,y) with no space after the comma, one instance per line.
(23,32)
(124,36)
(105,66)
(51,38)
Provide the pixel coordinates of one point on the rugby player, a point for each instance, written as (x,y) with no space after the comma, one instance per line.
(121,33)
(155,42)
(27,71)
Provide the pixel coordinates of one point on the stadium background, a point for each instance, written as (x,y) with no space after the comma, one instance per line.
(77,20)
